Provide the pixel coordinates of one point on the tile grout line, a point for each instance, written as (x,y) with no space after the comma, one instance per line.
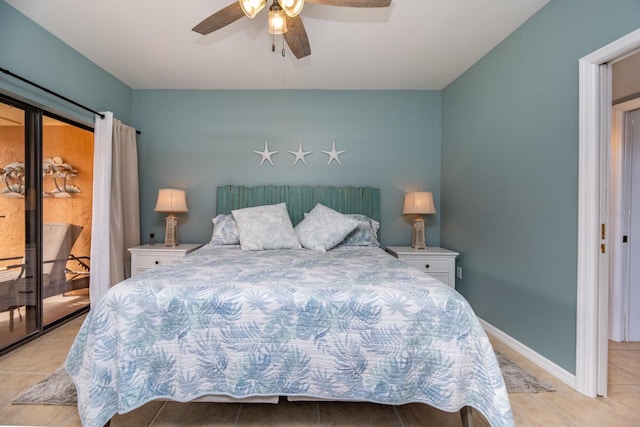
(395,409)
(238,415)
(155,417)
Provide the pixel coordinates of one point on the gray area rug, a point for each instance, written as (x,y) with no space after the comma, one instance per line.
(518,380)
(54,389)
(58,389)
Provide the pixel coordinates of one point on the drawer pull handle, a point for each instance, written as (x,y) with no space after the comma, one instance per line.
(426,266)
(157,262)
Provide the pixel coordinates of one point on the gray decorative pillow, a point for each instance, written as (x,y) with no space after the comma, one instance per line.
(323,228)
(265,227)
(366,234)
(225,231)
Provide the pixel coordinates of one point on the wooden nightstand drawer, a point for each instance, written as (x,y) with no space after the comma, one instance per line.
(437,262)
(428,265)
(146,257)
(146,262)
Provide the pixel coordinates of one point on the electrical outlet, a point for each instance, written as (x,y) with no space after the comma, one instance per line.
(459,272)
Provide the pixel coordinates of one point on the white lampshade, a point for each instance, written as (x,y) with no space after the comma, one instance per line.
(171,200)
(291,7)
(252,7)
(418,203)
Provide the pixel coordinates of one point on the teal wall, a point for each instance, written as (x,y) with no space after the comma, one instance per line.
(197,140)
(510,172)
(32,52)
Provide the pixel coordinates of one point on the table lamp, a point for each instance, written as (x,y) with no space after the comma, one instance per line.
(171,200)
(418,203)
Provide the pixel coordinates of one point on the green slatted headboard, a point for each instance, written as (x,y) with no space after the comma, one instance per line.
(348,200)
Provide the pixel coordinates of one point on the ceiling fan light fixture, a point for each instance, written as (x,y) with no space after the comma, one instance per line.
(283,19)
(252,7)
(277,19)
(292,8)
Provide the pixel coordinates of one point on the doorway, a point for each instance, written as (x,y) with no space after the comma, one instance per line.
(595,90)
(624,277)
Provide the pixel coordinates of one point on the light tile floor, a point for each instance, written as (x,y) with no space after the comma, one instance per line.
(28,364)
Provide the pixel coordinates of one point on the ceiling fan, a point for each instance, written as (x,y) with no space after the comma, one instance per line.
(283,18)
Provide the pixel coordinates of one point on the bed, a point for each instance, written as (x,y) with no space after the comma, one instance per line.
(229,322)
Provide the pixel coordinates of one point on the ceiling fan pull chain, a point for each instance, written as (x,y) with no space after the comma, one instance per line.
(273,43)
(283,46)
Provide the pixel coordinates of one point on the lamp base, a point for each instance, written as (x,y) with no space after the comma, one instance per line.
(171,231)
(417,239)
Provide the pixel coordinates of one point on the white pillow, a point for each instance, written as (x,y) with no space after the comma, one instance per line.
(323,228)
(225,231)
(365,234)
(265,227)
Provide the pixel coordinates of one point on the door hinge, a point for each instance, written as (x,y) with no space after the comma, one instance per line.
(625,239)
(602,231)
(602,249)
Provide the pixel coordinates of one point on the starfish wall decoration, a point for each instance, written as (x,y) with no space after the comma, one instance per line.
(300,155)
(266,154)
(333,154)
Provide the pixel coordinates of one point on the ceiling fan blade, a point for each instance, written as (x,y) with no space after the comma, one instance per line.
(221,18)
(353,3)
(296,37)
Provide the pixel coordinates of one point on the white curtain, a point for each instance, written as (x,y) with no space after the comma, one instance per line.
(116,214)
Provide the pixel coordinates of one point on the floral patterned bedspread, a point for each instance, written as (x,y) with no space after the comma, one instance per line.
(349,324)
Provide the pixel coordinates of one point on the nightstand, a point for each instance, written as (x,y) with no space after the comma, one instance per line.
(146,257)
(438,262)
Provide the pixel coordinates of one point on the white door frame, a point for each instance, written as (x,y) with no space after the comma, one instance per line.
(591,313)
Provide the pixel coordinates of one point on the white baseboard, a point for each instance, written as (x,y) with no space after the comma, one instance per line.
(560,373)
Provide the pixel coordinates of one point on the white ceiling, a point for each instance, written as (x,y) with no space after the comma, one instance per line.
(414,44)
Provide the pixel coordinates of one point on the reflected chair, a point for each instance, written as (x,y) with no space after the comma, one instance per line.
(57,277)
